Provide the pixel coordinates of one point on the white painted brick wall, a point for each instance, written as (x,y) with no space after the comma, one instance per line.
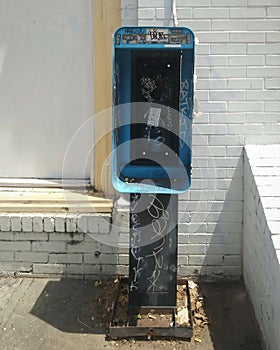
(261,237)
(49,224)
(60,223)
(129,12)
(5,223)
(61,244)
(38,224)
(237,69)
(237,64)
(15,223)
(26,222)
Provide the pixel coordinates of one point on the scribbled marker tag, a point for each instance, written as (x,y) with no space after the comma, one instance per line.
(153,116)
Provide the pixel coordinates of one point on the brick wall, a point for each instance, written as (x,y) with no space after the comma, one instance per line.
(60,245)
(261,239)
(237,67)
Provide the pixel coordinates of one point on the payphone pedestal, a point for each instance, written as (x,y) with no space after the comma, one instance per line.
(146,303)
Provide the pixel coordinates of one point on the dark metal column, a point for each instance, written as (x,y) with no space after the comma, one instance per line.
(153,250)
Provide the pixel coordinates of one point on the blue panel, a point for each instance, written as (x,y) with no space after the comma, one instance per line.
(153,71)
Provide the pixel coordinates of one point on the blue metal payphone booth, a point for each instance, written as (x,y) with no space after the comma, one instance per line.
(153,70)
(153,87)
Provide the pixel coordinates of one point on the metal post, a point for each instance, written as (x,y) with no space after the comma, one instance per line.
(153,250)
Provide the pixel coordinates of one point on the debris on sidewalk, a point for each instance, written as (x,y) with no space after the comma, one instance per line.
(102,305)
(200,318)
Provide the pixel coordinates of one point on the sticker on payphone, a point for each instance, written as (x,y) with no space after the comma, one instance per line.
(153,116)
(157,35)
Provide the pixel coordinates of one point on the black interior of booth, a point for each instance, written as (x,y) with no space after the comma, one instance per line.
(156,81)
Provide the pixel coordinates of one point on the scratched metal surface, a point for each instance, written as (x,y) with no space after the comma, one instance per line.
(153,250)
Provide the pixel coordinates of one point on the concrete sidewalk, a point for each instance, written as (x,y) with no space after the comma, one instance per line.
(58,314)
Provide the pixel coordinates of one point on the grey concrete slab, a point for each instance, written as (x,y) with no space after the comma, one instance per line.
(51,314)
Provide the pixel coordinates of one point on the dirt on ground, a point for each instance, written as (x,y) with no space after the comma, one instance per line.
(221,314)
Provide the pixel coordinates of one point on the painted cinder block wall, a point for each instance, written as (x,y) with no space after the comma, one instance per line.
(261,237)
(75,245)
(238,69)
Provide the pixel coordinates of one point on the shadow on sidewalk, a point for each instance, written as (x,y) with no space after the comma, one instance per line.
(232,323)
(68,305)
(84,307)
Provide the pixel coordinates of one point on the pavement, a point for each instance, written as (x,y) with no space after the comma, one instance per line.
(51,314)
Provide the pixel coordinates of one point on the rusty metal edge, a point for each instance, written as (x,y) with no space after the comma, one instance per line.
(115,332)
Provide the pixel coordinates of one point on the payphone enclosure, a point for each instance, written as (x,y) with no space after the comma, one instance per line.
(153,71)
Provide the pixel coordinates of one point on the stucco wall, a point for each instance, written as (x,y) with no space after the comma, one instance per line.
(46,87)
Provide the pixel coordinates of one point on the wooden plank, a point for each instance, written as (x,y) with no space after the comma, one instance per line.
(51,183)
(50,190)
(55,202)
(52,200)
(15,196)
(54,205)
(52,209)
(33,189)
(17,207)
(106,19)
